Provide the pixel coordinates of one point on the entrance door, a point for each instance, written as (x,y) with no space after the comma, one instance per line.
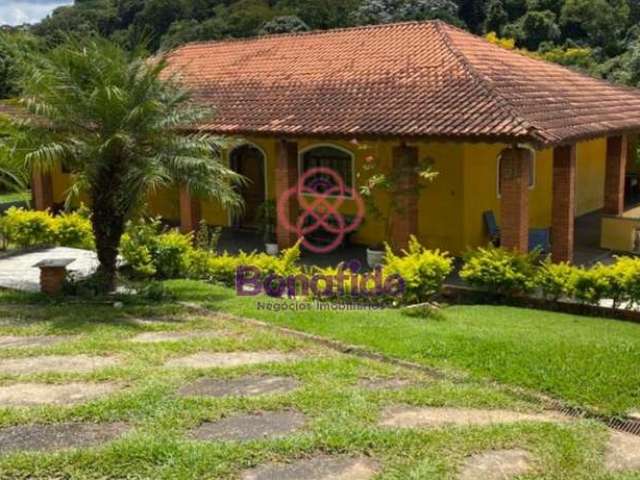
(249,161)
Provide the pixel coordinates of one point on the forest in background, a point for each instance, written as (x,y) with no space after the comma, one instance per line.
(600,37)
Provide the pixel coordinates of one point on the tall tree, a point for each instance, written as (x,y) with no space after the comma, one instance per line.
(496,17)
(119,122)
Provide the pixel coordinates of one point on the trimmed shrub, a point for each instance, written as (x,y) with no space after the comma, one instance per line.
(135,246)
(591,285)
(556,280)
(27,228)
(74,230)
(423,271)
(222,268)
(151,252)
(500,270)
(627,269)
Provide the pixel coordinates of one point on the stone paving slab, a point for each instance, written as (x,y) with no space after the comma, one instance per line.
(247,427)
(623,452)
(58,436)
(416,417)
(159,337)
(11,341)
(496,465)
(55,363)
(317,468)
(17,271)
(230,359)
(249,386)
(29,394)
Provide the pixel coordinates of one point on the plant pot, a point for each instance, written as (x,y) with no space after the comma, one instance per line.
(271,248)
(374,257)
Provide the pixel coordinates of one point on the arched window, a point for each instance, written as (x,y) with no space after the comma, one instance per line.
(532,170)
(329,157)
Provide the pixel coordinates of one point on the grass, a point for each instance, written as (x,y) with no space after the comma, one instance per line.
(341,415)
(15,197)
(590,362)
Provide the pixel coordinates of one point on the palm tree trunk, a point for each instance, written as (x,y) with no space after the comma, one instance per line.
(107,229)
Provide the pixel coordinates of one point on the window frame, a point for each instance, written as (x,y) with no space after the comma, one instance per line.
(533,170)
(352,159)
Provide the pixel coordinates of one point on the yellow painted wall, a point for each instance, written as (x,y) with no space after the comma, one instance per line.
(590,166)
(61,183)
(618,233)
(165,202)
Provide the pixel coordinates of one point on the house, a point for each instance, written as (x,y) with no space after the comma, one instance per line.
(534,142)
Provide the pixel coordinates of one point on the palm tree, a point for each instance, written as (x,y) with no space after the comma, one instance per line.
(14,176)
(124,127)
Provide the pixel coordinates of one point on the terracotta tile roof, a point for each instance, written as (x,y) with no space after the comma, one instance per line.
(425,79)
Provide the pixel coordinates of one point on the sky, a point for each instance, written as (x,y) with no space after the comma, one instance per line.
(16,12)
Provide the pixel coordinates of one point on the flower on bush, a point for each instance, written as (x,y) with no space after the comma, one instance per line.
(500,270)
(422,270)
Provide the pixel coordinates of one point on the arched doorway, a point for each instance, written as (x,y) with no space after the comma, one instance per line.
(249,161)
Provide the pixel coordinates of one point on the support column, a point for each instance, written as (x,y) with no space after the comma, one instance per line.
(42,190)
(514,204)
(189,211)
(287,178)
(405,222)
(614,175)
(564,203)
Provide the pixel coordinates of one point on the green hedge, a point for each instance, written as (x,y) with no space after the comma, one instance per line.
(22,228)
(502,271)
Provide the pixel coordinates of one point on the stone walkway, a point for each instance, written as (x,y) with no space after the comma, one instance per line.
(18,272)
(29,394)
(58,436)
(318,468)
(252,426)
(55,363)
(273,419)
(249,386)
(496,465)
(417,417)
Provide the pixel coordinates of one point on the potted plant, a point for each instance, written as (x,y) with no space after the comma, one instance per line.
(266,220)
(381,193)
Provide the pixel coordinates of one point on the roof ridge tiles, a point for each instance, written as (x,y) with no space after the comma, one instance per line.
(309,33)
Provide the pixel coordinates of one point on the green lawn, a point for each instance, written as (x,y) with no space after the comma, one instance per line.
(586,361)
(15,197)
(341,414)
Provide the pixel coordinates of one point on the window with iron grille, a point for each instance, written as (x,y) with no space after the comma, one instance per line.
(329,157)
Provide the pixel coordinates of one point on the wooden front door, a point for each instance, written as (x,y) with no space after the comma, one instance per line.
(248,161)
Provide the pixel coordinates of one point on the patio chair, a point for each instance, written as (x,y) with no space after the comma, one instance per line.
(539,238)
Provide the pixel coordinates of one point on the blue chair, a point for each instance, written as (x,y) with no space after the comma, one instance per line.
(539,238)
